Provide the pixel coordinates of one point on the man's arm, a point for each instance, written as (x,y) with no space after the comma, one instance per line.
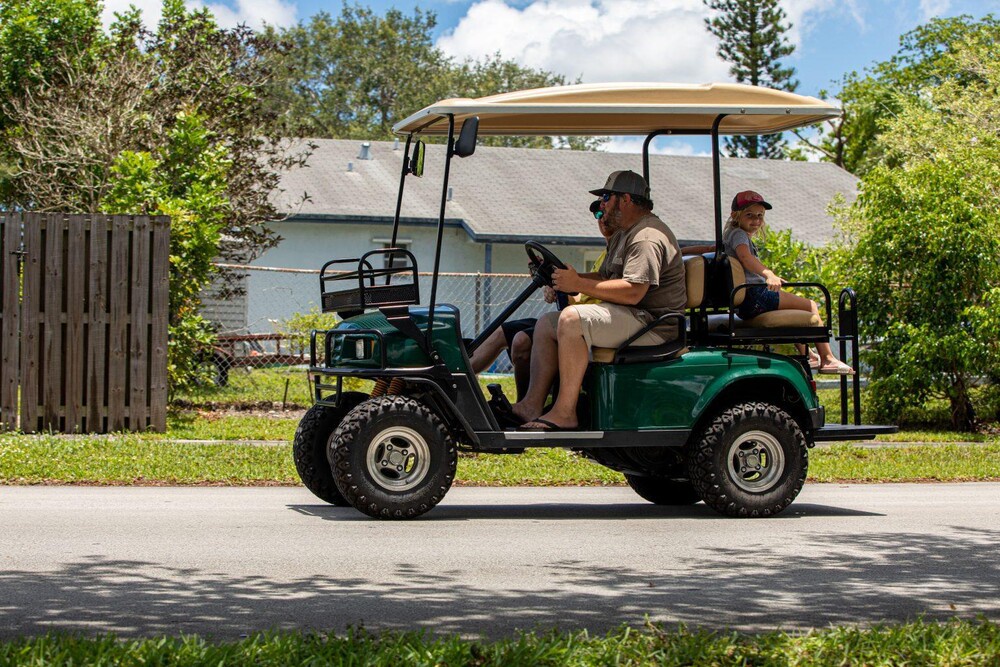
(613,291)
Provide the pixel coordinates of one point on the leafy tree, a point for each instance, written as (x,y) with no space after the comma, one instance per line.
(752,40)
(114,131)
(186,178)
(356,76)
(927,258)
(352,77)
(33,36)
(926,58)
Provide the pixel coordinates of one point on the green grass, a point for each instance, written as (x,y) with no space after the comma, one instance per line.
(956,643)
(138,459)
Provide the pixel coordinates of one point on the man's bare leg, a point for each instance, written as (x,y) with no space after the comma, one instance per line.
(544,366)
(573,360)
(488,351)
(520,359)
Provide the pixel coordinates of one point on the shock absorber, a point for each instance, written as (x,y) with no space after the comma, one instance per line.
(396,386)
(381,385)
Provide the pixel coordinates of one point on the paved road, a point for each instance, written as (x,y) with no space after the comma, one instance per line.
(226,562)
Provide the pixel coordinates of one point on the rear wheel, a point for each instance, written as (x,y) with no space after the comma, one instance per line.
(393,458)
(312,440)
(751,461)
(664,490)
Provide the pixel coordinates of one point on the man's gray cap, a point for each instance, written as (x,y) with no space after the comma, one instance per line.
(624,182)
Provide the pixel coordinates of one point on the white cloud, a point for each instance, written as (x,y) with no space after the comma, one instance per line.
(228,14)
(620,40)
(933,8)
(617,40)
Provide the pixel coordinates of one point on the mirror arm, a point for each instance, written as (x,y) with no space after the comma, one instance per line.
(440,229)
(399,197)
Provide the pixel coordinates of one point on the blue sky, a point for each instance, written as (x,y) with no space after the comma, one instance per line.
(631,40)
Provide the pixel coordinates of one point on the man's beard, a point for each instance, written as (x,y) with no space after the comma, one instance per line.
(613,218)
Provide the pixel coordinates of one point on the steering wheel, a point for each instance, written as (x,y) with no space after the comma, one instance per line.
(542,262)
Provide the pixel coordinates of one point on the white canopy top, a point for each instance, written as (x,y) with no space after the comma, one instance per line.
(626,109)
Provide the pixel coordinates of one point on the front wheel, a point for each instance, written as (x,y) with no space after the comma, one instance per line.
(393,458)
(750,461)
(663,490)
(311,442)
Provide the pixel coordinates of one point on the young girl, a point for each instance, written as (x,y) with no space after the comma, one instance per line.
(746,219)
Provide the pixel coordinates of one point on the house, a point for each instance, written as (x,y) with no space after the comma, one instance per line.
(498,199)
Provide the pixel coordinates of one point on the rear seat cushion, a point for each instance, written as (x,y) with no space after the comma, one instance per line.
(771,320)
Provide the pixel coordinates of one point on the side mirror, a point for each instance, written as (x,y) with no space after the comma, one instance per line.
(466,144)
(417,159)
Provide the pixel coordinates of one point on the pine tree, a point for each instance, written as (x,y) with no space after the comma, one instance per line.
(752,40)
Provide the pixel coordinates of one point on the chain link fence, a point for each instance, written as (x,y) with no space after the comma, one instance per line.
(264,314)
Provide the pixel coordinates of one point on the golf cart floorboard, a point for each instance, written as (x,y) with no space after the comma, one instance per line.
(836,432)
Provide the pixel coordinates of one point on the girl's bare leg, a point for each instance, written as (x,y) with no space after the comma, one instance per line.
(788,301)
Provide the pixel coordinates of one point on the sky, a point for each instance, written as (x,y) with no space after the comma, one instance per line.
(649,40)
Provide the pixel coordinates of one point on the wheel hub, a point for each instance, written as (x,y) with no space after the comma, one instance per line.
(398,458)
(756,461)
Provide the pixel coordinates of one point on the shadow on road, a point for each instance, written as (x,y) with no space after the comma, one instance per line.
(855,578)
(573,512)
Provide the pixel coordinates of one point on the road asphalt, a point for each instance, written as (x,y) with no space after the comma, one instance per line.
(226,562)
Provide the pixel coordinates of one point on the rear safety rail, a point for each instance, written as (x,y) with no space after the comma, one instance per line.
(366,286)
(847,333)
(778,334)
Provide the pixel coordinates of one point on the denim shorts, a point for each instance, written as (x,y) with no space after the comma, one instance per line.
(757,300)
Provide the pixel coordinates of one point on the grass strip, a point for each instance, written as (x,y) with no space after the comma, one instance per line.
(955,643)
(136,459)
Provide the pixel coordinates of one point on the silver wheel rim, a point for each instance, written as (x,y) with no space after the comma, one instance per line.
(756,461)
(398,458)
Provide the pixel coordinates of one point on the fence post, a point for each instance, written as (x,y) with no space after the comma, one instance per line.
(10,310)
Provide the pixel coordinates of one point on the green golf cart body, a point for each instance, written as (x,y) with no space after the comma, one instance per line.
(713,416)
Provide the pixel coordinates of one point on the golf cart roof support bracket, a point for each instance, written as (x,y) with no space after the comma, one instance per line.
(440,230)
(717,183)
(399,197)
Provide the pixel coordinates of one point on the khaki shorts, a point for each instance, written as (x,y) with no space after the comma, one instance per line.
(611,324)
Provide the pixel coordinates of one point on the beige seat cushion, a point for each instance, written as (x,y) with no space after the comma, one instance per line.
(783,318)
(694,279)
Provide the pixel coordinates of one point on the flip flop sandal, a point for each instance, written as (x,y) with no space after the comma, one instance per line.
(840,368)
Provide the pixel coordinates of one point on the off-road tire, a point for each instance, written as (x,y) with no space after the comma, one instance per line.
(393,458)
(311,443)
(750,461)
(664,490)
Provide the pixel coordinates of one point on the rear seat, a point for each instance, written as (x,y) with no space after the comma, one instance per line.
(710,320)
(708,313)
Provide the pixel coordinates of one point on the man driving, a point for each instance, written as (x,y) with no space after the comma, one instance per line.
(641,278)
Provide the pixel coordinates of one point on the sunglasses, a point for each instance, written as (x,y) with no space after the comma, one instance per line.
(608,195)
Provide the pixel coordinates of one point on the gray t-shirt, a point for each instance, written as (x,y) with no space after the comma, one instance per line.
(734,238)
(648,254)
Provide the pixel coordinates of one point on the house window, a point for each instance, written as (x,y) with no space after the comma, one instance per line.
(392,261)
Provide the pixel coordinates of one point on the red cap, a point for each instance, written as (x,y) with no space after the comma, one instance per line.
(748,198)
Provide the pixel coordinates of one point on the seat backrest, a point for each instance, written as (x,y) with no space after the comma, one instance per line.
(694,279)
(700,270)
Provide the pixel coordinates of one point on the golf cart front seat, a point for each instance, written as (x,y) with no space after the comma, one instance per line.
(694,281)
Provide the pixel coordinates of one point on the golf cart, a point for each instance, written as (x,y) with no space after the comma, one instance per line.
(714,416)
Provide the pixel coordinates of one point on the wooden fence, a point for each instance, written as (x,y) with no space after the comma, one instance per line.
(83,337)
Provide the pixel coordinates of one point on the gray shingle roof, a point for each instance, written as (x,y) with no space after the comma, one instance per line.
(513,194)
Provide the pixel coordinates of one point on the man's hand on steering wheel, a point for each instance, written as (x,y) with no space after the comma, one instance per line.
(566,280)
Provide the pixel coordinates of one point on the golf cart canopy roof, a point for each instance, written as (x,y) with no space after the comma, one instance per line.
(625,109)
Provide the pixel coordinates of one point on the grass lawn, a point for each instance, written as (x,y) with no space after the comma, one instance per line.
(955,643)
(249,409)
